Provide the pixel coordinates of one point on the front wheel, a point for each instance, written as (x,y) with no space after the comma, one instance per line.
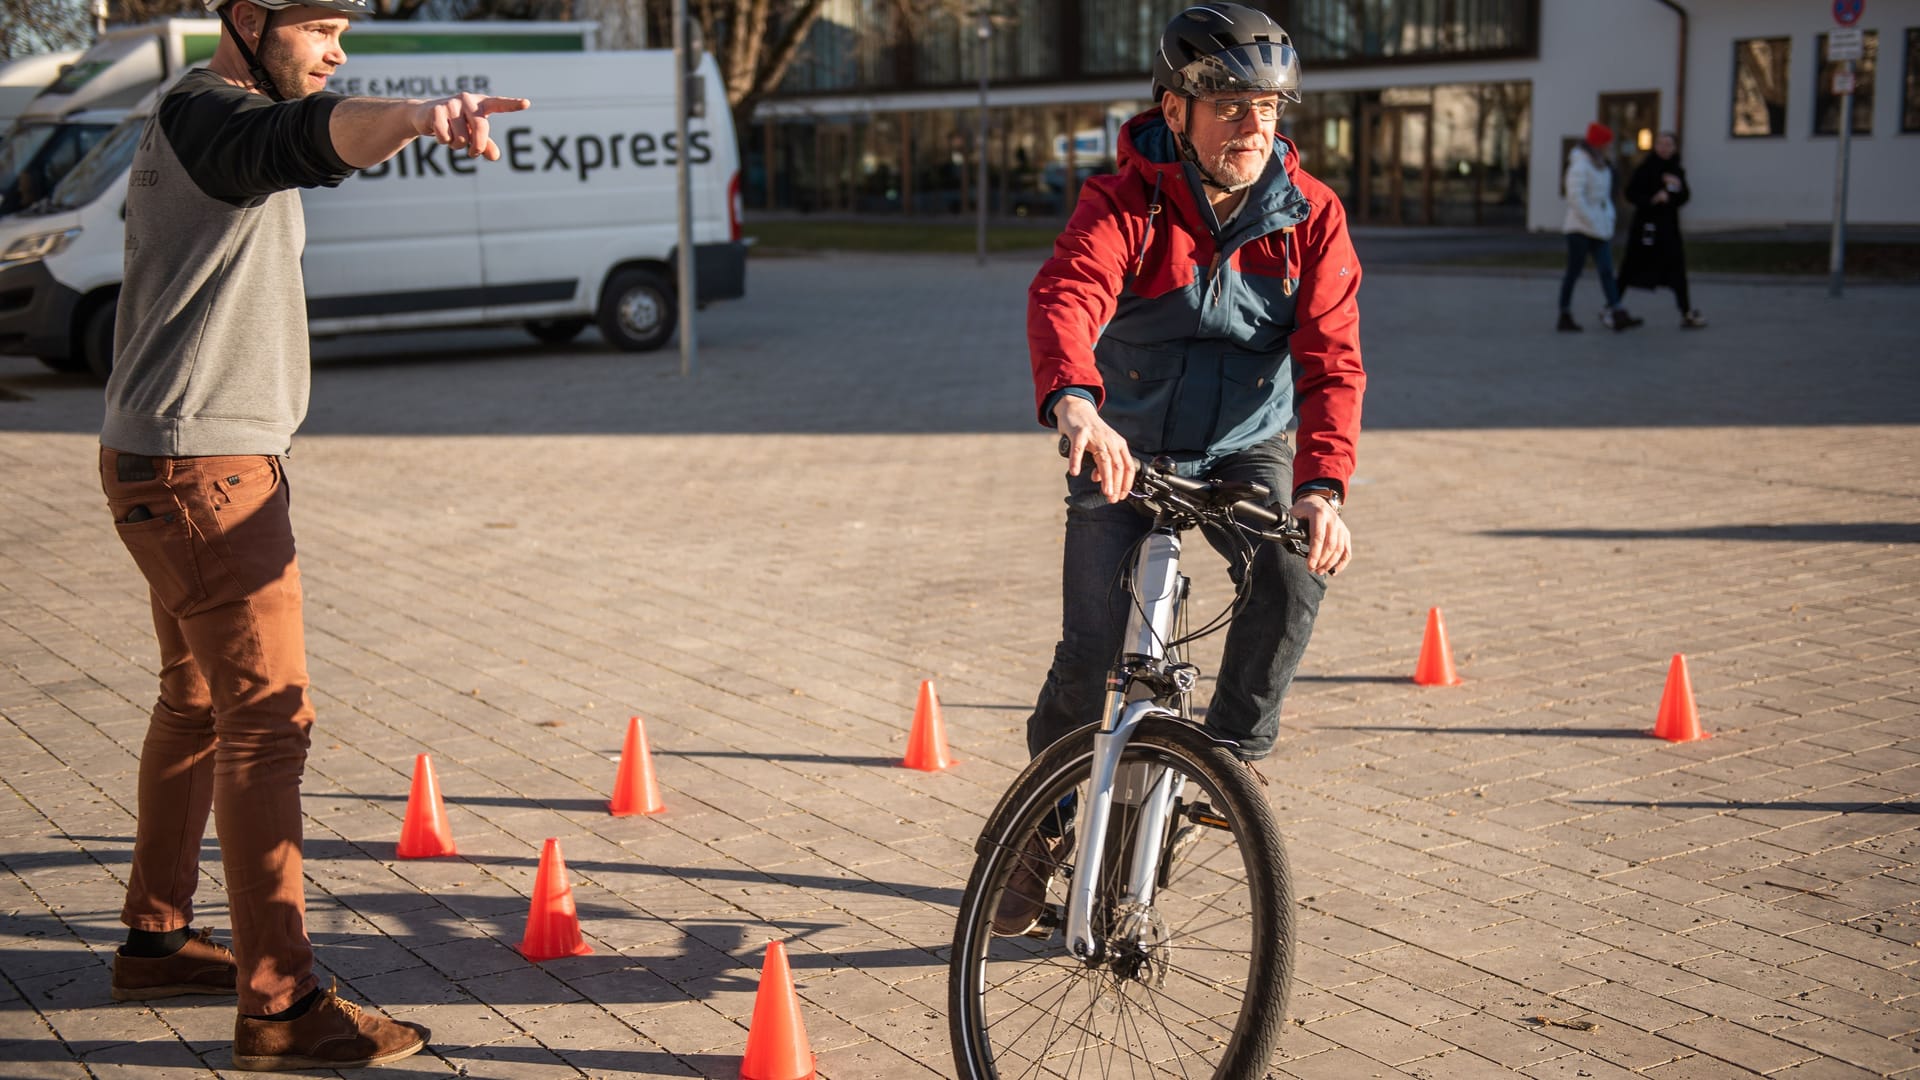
(638,309)
(1192,984)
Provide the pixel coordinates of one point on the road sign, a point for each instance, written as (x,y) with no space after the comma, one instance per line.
(1843,82)
(1848,12)
(1847,44)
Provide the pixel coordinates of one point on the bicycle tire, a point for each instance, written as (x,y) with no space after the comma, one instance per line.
(1021,1007)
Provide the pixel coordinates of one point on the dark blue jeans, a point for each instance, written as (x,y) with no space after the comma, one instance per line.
(1579,246)
(1264,644)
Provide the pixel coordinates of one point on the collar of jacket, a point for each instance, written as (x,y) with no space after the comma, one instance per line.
(1273,202)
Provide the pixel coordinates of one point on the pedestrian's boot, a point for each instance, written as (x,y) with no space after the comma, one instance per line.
(332,1034)
(1693,320)
(1567,325)
(199,967)
(1618,319)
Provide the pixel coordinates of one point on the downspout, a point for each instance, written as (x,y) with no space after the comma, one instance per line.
(1680,75)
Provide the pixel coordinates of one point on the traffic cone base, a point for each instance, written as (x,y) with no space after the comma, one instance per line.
(777,1039)
(635,791)
(927,744)
(1678,720)
(424,834)
(553,927)
(1436,658)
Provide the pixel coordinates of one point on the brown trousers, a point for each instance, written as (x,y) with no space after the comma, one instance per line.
(229,732)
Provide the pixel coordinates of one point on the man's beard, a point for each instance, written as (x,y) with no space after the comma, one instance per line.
(289,75)
(1227,174)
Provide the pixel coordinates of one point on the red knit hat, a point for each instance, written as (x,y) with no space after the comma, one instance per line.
(1599,135)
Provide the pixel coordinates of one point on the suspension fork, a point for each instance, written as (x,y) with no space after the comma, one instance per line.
(1156,587)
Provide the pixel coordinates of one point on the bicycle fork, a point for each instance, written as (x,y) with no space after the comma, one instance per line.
(1151,790)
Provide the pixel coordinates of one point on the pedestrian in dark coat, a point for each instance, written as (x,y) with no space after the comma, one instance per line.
(1656,256)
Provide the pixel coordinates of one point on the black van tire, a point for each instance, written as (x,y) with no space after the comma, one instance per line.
(95,339)
(72,363)
(556,331)
(638,309)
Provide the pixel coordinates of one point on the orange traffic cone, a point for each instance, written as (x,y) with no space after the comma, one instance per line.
(553,927)
(634,789)
(927,745)
(1678,721)
(777,1039)
(1436,659)
(425,832)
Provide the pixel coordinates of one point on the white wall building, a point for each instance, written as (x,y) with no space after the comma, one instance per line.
(1443,112)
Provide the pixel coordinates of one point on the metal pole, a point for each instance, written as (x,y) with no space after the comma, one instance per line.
(683,175)
(980,192)
(1837,260)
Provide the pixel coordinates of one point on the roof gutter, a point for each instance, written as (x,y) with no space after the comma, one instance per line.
(1680,74)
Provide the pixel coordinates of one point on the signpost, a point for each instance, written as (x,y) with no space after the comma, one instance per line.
(685,62)
(1844,46)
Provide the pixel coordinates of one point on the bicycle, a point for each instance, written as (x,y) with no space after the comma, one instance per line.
(1175,915)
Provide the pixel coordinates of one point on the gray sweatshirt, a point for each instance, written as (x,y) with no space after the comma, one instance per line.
(210,344)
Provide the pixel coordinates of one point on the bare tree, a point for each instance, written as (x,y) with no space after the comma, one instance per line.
(37,26)
(753,41)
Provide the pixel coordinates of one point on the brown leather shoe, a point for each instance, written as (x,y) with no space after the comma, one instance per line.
(1024,897)
(333,1034)
(200,967)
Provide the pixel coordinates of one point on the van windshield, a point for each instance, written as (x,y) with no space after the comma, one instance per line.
(103,167)
(38,156)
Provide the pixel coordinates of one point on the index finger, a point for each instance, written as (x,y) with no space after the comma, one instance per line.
(503,104)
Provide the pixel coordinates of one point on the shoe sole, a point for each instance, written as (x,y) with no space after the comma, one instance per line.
(289,1063)
(149,993)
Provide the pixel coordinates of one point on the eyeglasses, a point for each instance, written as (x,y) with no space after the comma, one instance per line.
(1234,109)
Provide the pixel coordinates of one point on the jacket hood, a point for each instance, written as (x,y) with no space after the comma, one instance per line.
(1147,146)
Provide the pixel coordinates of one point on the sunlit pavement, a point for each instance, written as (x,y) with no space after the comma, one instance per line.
(510,549)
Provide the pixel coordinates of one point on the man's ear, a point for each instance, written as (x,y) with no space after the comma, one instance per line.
(247,18)
(1174,108)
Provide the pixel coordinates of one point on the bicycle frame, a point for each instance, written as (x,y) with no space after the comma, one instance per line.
(1157,588)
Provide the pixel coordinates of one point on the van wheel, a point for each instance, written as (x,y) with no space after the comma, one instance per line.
(72,363)
(638,310)
(96,339)
(555,331)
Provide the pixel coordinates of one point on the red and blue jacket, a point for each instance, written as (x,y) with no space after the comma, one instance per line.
(1196,339)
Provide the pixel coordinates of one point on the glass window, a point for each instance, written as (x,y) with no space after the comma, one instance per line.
(1360,30)
(1118,37)
(1910,102)
(103,167)
(1760,86)
(1826,103)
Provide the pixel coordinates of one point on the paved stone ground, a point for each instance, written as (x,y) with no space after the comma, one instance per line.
(509,550)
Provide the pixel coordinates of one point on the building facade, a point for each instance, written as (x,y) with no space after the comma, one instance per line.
(1417,112)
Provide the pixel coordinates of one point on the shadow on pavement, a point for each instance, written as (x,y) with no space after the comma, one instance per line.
(1572,733)
(1782,804)
(908,345)
(1839,532)
(118,850)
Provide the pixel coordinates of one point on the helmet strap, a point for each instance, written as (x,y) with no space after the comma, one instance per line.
(262,81)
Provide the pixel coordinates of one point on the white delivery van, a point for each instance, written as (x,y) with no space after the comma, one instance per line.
(24,77)
(575,224)
(60,124)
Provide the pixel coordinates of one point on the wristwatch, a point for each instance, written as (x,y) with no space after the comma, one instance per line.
(1332,496)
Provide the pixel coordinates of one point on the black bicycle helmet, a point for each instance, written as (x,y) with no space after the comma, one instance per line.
(1211,49)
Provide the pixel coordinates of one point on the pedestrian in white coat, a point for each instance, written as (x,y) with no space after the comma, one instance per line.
(1589,228)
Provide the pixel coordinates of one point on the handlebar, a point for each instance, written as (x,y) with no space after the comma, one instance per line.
(1241,500)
